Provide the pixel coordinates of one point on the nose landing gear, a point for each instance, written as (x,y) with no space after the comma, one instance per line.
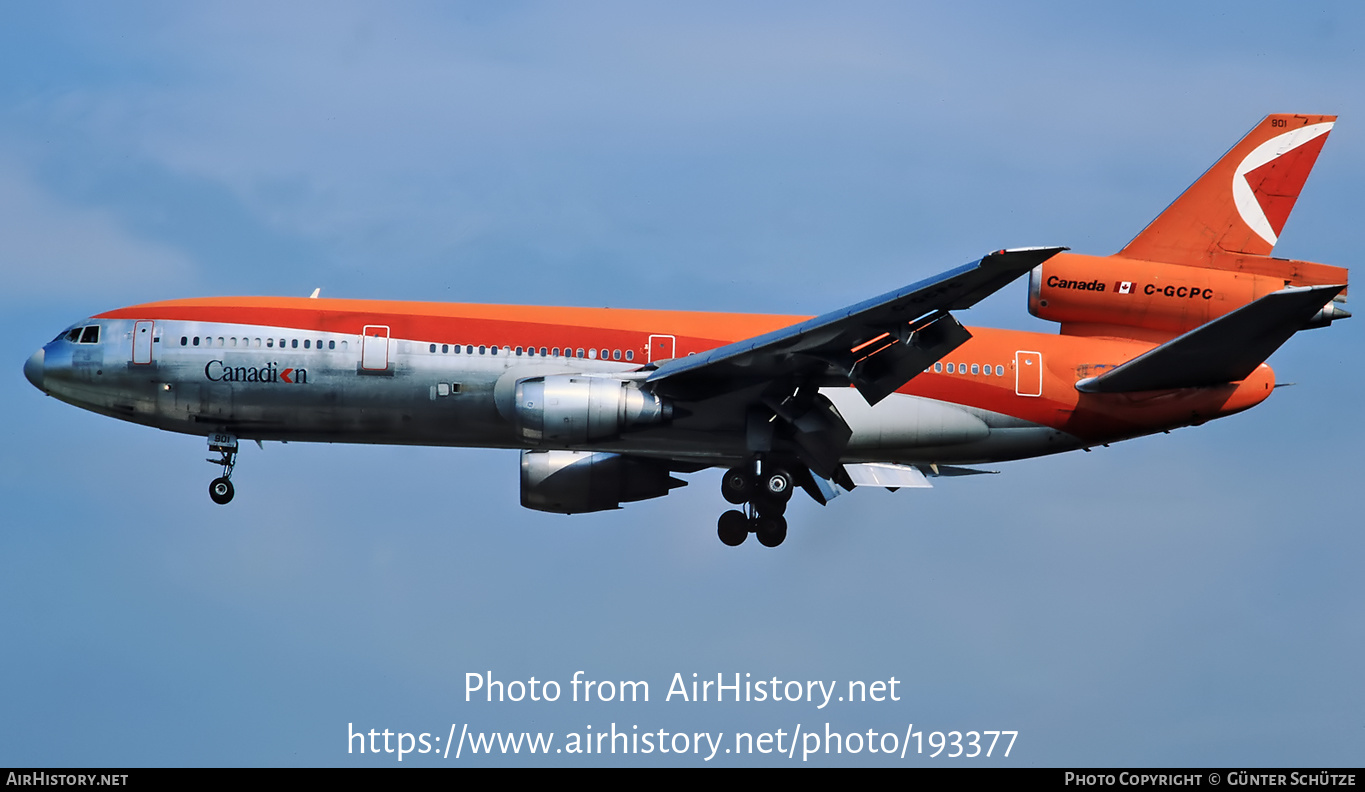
(764,498)
(220,489)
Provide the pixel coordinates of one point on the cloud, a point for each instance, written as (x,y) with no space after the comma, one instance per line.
(51,248)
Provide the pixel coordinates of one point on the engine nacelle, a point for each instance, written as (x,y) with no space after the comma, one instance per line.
(570,409)
(574,482)
(1090,295)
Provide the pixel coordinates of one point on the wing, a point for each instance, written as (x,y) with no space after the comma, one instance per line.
(877,345)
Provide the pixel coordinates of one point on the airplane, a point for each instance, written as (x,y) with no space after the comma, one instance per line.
(608,406)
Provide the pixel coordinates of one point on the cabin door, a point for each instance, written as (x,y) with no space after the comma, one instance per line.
(1028,373)
(374,348)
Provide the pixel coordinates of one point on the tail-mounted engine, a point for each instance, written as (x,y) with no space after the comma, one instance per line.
(568,409)
(575,482)
(1113,295)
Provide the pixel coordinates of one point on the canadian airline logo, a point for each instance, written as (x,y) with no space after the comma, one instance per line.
(1062,283)
(1124,287)
(1267,182)
(217,371)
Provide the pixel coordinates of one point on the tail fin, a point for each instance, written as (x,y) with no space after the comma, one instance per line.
(1240,204)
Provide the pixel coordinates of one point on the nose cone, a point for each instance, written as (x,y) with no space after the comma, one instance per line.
(33,369)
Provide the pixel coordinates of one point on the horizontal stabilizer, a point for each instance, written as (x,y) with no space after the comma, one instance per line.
(1225,350)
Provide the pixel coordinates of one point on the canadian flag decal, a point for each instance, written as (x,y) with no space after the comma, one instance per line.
(1124,287)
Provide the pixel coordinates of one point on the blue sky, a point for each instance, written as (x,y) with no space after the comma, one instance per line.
(1184,599)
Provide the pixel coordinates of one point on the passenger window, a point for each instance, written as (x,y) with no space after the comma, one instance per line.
(195,341)
(542,351)
(579,353)
(518,351)
(184,340)
(445,349)
(270,343)
(220,341)
(433,347)
(469,350)
(976,369)
(951,369)
(294,343)
(999,371)
(306,343)
(938,367)
(616,354)
(630,354)
(331,345)
(482,349)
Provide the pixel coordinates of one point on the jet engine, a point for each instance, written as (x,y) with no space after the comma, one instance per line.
(568,409)
(574,482)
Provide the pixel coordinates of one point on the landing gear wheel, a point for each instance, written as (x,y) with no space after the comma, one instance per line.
(733,528)
(220,490)
(736,486)
(777,485)
(770,530)
(770,507)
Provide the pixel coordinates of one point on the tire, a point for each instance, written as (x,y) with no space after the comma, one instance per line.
(770,507)
(777,485)
(733,528)
(737,486)
(220,490)
(771,531)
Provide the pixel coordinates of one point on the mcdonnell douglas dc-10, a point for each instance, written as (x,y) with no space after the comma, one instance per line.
(607,405)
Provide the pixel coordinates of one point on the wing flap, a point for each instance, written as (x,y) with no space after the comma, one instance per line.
(879,374)
(883,474)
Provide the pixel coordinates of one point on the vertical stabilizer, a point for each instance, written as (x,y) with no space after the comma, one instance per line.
(1240,205)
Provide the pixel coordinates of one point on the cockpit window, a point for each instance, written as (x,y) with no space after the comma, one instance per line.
(81,335)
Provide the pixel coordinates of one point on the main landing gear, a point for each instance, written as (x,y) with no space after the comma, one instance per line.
(763,497)
(220,489)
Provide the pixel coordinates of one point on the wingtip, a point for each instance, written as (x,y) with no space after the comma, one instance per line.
(1032,256)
